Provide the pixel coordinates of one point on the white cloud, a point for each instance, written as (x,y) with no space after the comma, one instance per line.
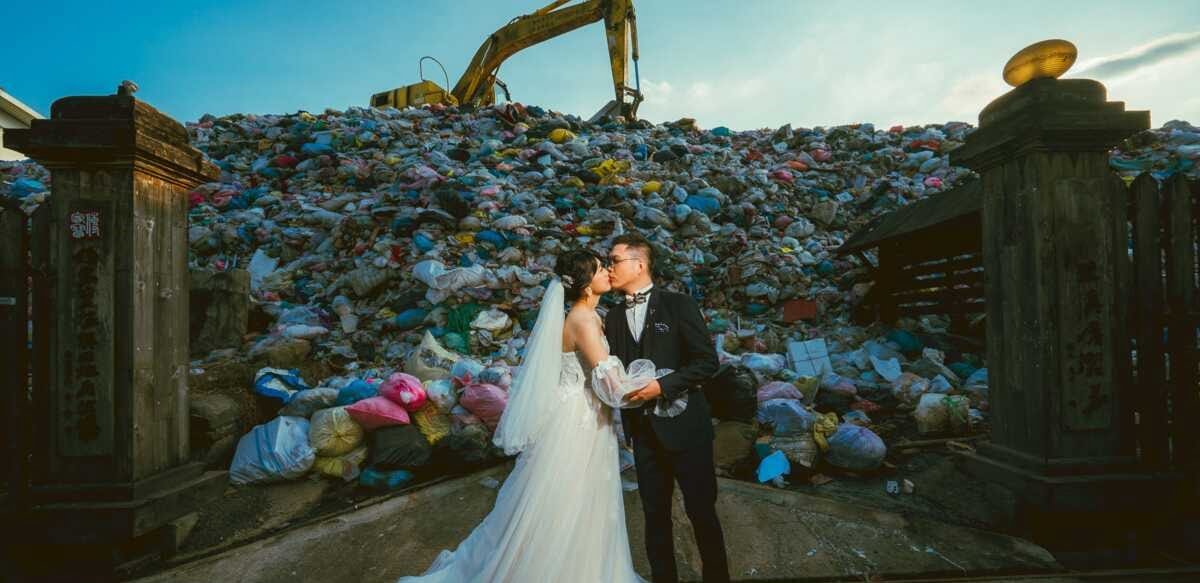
(1142,59)
(656,93)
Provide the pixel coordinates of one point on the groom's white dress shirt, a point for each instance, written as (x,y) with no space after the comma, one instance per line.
(637,316)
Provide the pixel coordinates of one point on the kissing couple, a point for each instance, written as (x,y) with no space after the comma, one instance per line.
(560,515)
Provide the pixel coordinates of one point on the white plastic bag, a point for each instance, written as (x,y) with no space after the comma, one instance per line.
(276,451)
(430,362)
(261,265)
(888,369)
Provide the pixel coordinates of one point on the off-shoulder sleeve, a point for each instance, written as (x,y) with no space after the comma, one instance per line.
(610,383)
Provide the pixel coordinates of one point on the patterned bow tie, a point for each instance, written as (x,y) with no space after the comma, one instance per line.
(636,299)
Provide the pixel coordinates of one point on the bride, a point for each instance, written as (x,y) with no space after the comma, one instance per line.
(560,515)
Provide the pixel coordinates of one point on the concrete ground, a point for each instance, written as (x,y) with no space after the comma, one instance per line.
(772,535)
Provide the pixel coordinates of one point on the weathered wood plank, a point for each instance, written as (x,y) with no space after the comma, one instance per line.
(14,352)
(43,301)
(1181,335)
(82,365)
(1036,328)
(962,308)
(1151,394)
(885,278)
(949,264)
(1119,327)
(1090,213)
(941,295)
(962,278)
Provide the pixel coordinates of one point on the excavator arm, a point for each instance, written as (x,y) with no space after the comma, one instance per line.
(476,84)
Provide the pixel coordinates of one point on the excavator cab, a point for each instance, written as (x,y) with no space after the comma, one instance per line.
(424,93)
(416,95)
(477,84)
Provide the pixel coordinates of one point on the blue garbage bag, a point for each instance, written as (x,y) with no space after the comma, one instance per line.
(786,416)
(410,318)
(278,383)
(773,466)
(907,342)
(855,448)
(313,149)
(493,238)
(705,204)
(384,479)
(23,187)
(354,392)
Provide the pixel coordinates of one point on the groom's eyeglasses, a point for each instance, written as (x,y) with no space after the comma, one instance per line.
(610,262)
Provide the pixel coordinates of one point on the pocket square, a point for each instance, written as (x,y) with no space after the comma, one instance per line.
(661,327)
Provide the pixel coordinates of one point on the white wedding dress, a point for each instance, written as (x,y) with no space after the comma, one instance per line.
(560,515)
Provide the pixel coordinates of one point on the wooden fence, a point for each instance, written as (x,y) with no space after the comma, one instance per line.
(1164,314)
(932,264)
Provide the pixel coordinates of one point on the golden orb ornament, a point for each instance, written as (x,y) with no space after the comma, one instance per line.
(1048,58)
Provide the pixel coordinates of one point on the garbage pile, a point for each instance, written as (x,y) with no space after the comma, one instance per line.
(413,242)
(25,181)
(411,248)
(1164,152)
(824,403)
(364,229)
(382,432)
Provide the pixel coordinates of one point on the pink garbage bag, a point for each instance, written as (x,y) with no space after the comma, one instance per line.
(404,390)
(484,401)
(779,390)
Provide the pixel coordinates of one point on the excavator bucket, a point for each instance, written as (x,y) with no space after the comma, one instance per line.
(610,109)
(614,108)
(415,95)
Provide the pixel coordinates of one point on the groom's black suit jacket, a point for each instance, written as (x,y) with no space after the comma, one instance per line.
(674,336)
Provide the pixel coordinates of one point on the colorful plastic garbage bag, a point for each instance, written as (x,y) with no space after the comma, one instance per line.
(773,466)
(278,383)
(486,402)
(346,466)
(377,412)
(853,447)
(404,390)
(333,432)
(276,451)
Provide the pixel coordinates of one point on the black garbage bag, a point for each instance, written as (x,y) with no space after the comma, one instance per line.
(461,450)
(399,447)
(731,394)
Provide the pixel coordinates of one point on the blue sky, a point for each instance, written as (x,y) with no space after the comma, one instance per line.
(744,64)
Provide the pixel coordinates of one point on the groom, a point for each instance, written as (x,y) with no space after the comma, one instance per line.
(667,328)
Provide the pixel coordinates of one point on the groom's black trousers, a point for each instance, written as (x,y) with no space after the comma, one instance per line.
(657,471)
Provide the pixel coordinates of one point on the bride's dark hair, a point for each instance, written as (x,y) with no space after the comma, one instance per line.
(576,268)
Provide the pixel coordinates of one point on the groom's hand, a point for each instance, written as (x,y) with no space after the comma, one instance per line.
(647,393)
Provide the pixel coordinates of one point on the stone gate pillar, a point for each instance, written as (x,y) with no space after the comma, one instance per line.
(110,446)
(1055,246)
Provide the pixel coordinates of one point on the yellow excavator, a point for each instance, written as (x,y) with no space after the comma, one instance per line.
(477,84)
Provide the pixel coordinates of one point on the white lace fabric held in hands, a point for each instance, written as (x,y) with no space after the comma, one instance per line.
(613,385)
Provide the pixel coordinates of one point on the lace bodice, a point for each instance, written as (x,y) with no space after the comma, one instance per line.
(574,373)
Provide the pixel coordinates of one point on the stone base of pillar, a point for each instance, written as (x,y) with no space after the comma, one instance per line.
(1095,512)
(89,514)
